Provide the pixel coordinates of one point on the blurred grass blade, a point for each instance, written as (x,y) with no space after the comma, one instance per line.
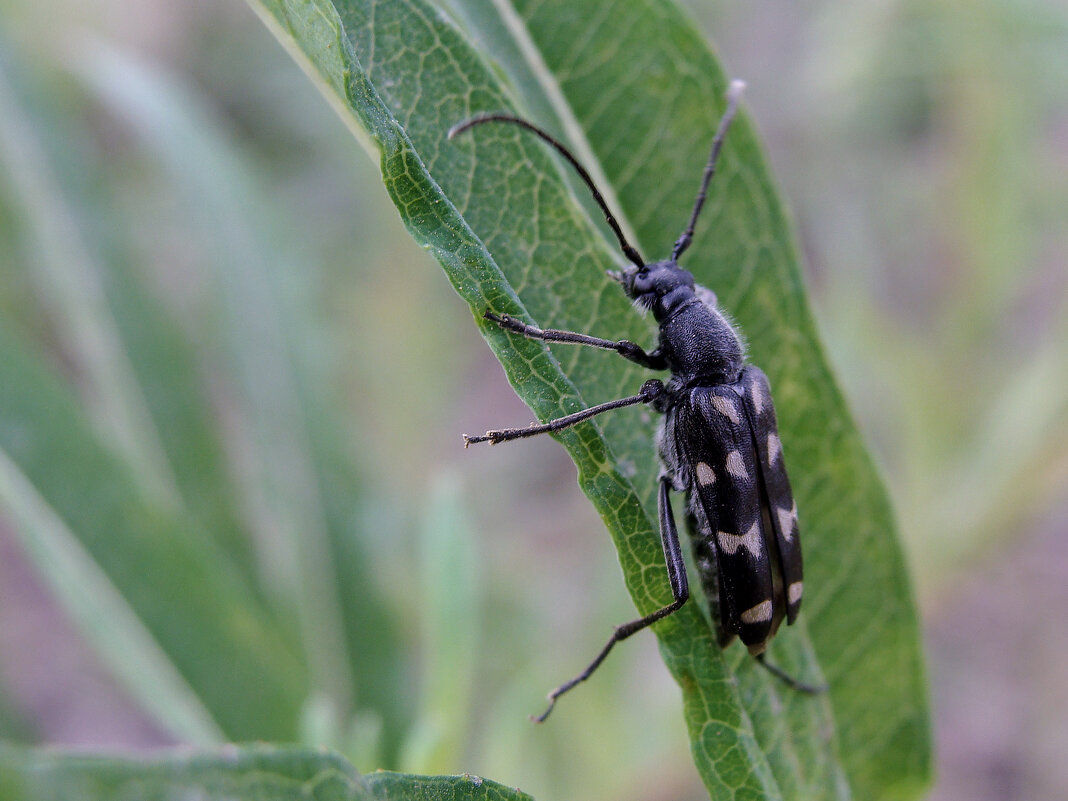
(299,486)
(100,612)
(1025,425)
(450,589)
(69,285)
(62,484)
(281,487)
(13,726)
(240,773)
(78,175)
(400,70)
(178,392)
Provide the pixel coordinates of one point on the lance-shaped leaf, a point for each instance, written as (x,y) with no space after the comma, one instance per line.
(634,88)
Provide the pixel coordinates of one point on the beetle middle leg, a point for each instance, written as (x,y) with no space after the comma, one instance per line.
(651,390)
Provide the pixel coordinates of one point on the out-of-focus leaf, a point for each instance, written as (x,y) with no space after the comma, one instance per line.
(300,489)
(125,349)
(242,773)
(281,492)
(106,548)
(12,726)
(70,289)
(449,588)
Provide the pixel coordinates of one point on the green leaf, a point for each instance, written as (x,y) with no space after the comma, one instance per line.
(636,91)
(388,786)
(252,772)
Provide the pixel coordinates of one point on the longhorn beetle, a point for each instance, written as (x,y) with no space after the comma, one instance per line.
(718,443)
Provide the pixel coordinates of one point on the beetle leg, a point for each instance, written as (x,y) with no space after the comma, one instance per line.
(624,347)
(680,591)
(651,390)
(790,681)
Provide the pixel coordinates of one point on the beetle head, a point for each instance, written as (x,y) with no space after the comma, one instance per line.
(661,286)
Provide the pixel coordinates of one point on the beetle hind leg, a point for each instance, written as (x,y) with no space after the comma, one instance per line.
(788,680)
(680,592)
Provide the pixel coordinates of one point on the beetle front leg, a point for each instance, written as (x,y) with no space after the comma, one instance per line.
(624,347)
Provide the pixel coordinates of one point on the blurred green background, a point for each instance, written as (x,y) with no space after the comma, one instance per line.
(187,228)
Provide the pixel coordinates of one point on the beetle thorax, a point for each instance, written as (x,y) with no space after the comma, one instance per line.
(699,343)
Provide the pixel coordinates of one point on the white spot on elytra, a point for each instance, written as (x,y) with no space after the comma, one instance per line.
(774,448)
(757,393)
(751,541)
(787,521)
(793,593)
(726,408)
(736,467)
(706,476)
(761,613)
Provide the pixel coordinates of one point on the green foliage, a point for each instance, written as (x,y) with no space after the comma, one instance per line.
(153,555)
(256,773)
(406,76)
(235,604)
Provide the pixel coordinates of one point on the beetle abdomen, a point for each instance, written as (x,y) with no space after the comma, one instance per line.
(745,542)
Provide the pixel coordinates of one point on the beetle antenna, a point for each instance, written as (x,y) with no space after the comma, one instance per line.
(734,95)
(628,250)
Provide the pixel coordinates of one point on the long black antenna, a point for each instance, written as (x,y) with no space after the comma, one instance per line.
(734,95)
(628,251)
